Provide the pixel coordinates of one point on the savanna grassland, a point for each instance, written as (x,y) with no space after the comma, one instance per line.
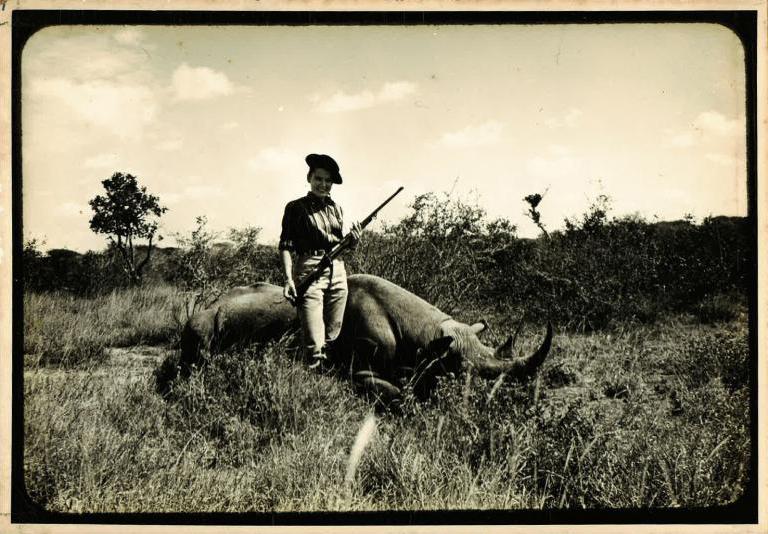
(643,402)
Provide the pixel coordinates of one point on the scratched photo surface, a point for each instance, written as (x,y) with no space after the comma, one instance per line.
(591,177)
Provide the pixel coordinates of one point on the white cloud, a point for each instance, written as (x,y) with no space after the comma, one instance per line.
(85,58)
(129,36)
(170,198)
(78,88)
(572,117)
(681,140)
(487,133)
(191,192)
(122,109)
(101,161)
(708,127)
(560,150)
(396,90)
(274,159)
(199,83)
(341,101)
(713,122)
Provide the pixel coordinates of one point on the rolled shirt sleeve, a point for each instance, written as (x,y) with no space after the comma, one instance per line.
(287,239)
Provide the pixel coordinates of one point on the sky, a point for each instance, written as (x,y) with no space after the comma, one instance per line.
(216,121)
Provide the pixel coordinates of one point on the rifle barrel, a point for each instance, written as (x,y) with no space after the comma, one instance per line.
(365,222)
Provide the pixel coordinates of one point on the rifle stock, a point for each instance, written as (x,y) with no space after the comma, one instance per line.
(340,247)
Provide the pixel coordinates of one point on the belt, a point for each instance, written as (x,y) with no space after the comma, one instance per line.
(312,252)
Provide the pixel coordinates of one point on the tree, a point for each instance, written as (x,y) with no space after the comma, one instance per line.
(34,267)
(125,214)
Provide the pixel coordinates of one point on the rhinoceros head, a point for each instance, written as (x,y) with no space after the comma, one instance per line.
(459,347)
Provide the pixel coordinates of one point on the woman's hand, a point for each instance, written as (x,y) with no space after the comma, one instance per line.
(289,291)
(355,232)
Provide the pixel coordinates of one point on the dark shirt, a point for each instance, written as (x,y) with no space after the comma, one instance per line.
(311,223)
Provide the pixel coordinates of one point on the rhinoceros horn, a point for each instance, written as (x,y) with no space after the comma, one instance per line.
(518,367)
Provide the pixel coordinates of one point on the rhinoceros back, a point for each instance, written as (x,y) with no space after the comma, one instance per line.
(245,313)
(388,315)
(260,315)
(408,307)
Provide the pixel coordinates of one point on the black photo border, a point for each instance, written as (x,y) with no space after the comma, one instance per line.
(25,22)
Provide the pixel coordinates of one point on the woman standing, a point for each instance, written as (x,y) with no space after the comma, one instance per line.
(312,225)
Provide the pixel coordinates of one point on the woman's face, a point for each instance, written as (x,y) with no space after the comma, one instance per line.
(320,182)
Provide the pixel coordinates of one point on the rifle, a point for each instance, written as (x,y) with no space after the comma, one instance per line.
(337,249)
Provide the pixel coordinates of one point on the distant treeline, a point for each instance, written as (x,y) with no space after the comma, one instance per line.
(95,273)
(595,271)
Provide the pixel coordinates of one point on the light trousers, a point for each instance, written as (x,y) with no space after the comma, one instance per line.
(321,308)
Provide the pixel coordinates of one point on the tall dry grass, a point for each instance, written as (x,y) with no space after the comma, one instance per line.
(651,416)
(64,329)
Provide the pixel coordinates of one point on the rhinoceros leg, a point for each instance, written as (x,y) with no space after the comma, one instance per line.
(382,391)
(192,345)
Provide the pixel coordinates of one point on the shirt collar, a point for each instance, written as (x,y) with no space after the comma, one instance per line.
(316,200)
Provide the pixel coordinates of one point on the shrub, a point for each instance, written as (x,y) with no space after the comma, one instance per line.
(206,268)
(443,251)
(594,274)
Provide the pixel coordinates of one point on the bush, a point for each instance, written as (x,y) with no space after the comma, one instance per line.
(205,268)
(443,251)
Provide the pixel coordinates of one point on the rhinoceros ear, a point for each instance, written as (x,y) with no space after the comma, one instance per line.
(437,347)
(477,328)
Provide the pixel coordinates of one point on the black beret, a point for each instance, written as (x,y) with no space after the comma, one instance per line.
(323,161)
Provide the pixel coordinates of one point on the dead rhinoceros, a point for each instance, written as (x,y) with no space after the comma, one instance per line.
(389,336)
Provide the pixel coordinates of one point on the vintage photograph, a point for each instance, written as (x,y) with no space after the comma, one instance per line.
(304,265)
